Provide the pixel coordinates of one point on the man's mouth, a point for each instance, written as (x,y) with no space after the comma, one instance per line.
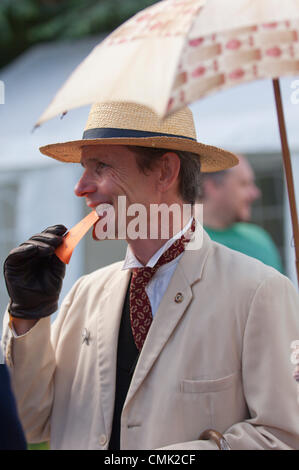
(94,204)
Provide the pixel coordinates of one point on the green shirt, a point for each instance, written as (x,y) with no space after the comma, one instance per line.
(250,240)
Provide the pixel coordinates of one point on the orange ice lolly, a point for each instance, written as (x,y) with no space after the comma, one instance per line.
(74,235)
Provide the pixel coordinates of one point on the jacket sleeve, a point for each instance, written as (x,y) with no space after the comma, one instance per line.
(31,361)
(268,382)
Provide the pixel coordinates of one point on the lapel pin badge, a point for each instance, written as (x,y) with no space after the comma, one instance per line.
(179,298)
(85,336)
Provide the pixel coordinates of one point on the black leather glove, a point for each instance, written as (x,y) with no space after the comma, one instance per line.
(34,275)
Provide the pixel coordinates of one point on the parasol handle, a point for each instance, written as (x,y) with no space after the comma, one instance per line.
(288,170)
(217,437)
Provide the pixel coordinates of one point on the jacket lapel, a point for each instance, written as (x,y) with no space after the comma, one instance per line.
(173,306)
(110,311)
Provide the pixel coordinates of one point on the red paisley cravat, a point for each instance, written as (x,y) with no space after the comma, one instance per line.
(140,307)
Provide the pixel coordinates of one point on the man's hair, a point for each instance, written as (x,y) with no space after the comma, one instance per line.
(189,176)
(217,176)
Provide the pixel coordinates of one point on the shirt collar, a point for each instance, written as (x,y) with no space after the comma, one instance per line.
(132,262)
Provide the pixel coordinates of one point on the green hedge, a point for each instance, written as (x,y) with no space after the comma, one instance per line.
(27,22)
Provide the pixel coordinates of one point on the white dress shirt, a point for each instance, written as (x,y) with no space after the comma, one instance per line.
(158,284)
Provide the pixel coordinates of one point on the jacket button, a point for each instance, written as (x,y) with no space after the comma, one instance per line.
(103,439)
(179,298)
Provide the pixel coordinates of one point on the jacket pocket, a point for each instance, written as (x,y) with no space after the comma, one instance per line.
(206,386)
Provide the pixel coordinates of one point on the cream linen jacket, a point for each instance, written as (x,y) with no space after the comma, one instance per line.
(218,359)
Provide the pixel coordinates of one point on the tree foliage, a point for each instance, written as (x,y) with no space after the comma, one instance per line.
(27,22)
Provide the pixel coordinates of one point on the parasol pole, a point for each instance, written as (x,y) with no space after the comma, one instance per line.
(288,169)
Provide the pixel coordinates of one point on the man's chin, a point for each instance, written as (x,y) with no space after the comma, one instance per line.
(94,235)
(108,231)
(243,218)
(101,235)
(105,228)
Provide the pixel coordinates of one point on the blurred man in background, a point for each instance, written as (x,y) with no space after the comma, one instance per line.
(227,197)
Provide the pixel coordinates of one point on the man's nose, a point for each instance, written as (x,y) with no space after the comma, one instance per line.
(84,186)
(255,192)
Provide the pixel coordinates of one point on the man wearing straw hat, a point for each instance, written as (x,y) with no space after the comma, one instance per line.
(183,336)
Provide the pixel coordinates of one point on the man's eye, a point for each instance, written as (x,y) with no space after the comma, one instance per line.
(100,166)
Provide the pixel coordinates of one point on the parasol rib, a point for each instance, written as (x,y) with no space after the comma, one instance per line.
(288,169)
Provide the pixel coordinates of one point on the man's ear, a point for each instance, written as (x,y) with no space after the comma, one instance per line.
(169,169)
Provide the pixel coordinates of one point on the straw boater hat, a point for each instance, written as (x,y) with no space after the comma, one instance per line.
(132,124)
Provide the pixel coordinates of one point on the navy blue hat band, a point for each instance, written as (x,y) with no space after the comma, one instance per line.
(112,133)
